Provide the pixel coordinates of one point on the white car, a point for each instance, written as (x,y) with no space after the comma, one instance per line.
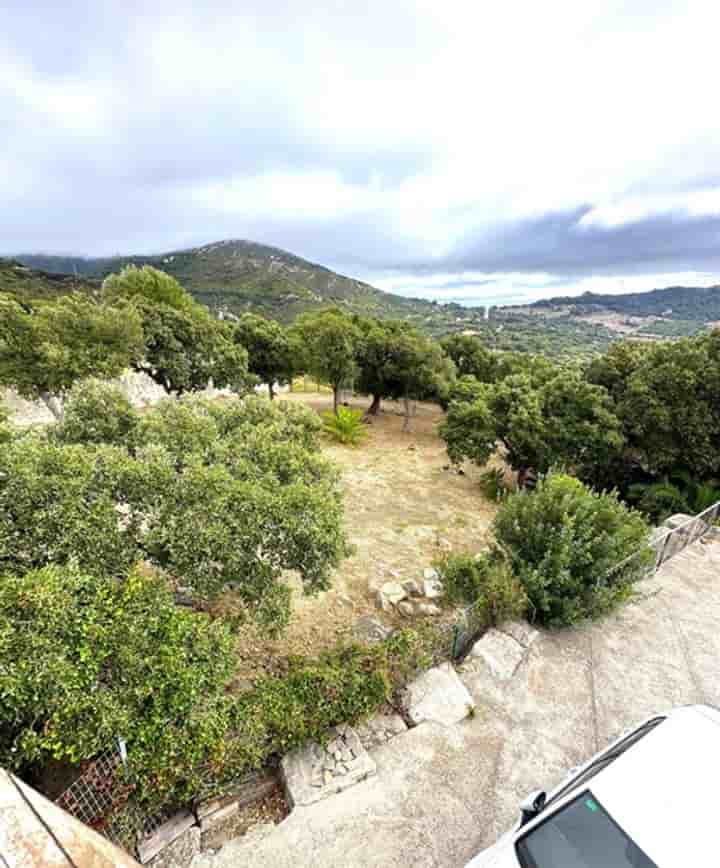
(649,800)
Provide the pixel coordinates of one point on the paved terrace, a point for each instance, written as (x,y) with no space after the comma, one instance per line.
(441,793)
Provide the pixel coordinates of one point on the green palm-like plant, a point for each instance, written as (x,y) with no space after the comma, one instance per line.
(346,426)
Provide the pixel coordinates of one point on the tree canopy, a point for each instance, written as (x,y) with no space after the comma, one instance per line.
(44,351)
(270,354)
(147,284)
(224,497)
(328,343)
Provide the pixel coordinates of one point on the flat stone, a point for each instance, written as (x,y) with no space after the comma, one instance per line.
(406,609)
(432,589)
(521,632)
(299,771)
(501,653)
(438,695)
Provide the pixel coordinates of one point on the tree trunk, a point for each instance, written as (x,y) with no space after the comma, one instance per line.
(336,398)
(271,391)
(374,408)
(54,405)
(406,423)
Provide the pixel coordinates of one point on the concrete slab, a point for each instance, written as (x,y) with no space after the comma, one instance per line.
(442,793)
(438,695)
(315,772)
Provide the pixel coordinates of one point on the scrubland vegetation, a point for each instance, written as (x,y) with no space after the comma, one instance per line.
(137,547)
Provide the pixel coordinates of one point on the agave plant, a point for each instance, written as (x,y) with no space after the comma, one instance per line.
(346,426)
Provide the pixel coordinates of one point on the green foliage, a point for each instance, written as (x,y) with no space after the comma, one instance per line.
(222,497)
(44,352)
(96,412)
(6,428)
(346,426)
(149,284)
(89,659)
(328,343)
(270,355)
(564,540)
(486,582)
(186,349)
(562,419)
(658,500)
(493,484)
(471,357)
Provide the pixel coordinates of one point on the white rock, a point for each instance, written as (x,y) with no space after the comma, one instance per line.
(430,573)
(521,632)
(438,695)
(501,653)
(406,609)
(429,609)
(393,592)
(432,589)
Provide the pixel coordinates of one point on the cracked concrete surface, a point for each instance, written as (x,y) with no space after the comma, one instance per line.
(443,793)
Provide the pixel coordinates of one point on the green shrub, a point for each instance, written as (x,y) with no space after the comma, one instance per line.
(96,412)
(6,430)
(564,540)
(658,500)
(486,582)
(493,485)
(345,427)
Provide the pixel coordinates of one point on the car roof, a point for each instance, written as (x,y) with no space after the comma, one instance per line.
(663,790)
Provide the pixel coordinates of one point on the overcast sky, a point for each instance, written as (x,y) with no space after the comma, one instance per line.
(469,150)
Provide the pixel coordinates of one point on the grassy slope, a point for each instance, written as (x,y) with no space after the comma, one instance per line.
(25,284)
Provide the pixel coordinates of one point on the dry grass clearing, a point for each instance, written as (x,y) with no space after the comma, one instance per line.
(403,506)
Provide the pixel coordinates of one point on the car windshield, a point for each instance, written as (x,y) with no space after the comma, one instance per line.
(580,835)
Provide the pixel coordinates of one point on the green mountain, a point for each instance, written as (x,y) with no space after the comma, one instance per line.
(690,303)
(236,276)
(24,283)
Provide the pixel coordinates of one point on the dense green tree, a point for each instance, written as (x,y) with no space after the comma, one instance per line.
(147,284)
(186,349)
(329,343)
(44,351)
(575,551)
(97,412)
(222,498)
(471,357)
(270,355)
(87,659)
(564,421)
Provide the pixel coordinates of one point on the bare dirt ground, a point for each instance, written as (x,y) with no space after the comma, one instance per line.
(404,505)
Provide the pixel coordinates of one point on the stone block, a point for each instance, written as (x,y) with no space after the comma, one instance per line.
(379,729)
(501,653)
(438,695)
(315,772)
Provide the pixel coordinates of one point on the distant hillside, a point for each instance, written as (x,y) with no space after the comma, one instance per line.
(691,303)
(30,284)
(239,275)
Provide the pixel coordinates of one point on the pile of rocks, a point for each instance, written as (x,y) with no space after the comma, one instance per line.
(412,597)
(380,729)
(314,771)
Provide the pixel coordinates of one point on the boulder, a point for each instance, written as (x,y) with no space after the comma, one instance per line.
(406,609)
(432,589)
(430,573)
(437,695)
(368,629)
(501,653)
(380,729)
(412,588)
(429,609)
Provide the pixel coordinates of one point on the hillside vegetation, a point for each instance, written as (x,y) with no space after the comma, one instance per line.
(24,283)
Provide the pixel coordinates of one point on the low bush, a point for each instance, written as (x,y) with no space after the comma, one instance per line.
(486,582)
(346,427)
(565,541)
(96,412)
(6,431)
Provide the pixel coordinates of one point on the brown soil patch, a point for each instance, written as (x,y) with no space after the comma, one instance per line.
(404,505)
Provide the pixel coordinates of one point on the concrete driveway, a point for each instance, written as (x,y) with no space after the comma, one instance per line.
(443,793)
